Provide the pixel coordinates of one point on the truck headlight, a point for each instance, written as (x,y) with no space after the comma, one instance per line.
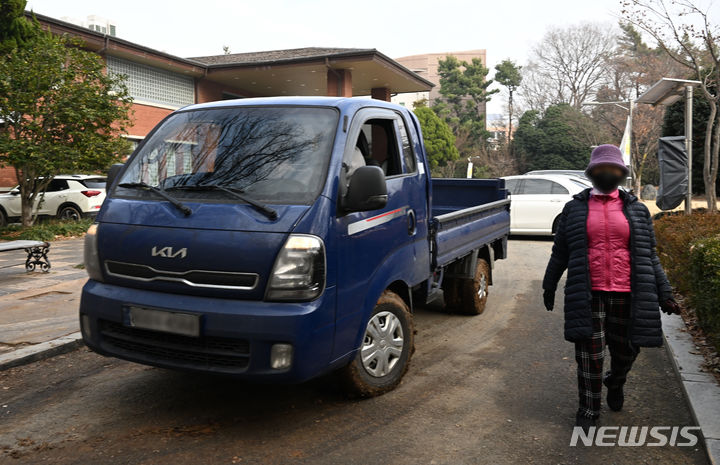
(90,252)
(299,271)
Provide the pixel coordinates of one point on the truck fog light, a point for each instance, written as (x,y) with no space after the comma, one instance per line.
(85,326)
(281,356)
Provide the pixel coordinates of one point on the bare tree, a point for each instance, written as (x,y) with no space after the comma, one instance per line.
(568,65)
(684,31)
(633,69)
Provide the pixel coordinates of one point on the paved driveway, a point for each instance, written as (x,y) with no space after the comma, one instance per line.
(496,388)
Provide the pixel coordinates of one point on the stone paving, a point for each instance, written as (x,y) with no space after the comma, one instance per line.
(36,307)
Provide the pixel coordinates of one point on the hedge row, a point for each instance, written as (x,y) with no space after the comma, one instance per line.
(705,284)
(689,250)
(675,233)
(46,230)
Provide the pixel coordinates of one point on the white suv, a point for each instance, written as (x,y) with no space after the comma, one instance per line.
(67,197)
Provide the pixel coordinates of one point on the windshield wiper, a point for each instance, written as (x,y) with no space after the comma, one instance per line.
(237,193)
(142,185)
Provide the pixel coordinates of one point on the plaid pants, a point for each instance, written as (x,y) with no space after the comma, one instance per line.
(610,320)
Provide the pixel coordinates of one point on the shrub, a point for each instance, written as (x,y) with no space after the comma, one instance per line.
(46,230)
(705,284)
(674,235)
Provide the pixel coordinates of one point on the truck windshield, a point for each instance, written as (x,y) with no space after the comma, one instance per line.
(273,155)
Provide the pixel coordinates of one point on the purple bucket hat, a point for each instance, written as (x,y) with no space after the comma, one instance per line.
(606,154)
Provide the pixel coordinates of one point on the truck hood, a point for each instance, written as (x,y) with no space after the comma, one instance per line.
(221,250)
(215,216)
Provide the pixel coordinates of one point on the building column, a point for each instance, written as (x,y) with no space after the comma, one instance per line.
(380,93)
(339,83)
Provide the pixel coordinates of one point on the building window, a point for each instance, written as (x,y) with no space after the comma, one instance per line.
(153,85)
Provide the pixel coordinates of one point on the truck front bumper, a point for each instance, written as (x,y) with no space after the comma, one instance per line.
(236,335)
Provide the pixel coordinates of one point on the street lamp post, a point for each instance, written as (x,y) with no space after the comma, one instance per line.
(688,145)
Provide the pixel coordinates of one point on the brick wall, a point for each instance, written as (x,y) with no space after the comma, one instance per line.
(145,117)
(7,178)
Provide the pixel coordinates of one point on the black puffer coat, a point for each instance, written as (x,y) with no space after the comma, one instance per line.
(648,282)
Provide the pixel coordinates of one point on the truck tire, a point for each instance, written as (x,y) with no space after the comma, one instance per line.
(471,294)
(384,356)
(3,219)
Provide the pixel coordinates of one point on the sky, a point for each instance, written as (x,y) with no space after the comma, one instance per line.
(505,28)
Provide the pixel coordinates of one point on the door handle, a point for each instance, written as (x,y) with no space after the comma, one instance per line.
(412,224)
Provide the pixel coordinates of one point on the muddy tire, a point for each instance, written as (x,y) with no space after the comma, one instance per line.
(385,352)
(470,295)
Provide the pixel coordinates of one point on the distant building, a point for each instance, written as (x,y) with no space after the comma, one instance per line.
(95,23)
(497,126)
(160,82)
(426,65)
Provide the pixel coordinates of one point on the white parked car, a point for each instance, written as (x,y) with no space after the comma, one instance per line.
(69,197)
(537,200)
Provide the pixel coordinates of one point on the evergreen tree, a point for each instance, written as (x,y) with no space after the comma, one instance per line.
(464,88)
(552,140)
(507,74)
(15,30)
(438,138)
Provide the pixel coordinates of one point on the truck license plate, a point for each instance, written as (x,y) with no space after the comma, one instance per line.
(166,321)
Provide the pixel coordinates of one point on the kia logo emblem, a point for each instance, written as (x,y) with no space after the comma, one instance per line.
(168,252)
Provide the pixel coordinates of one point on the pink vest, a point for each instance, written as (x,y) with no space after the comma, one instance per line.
(608,234)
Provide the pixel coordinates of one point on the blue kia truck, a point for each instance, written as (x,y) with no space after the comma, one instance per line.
(277,239)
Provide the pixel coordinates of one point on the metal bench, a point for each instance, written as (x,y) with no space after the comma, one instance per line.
(36,253)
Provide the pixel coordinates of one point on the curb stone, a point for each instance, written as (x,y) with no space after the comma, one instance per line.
(40,351)
(701,388)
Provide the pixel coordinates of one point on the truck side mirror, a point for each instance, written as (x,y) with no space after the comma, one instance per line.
(367,190)
(112,174)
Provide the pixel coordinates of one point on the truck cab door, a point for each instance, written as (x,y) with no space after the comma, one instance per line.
(386,240)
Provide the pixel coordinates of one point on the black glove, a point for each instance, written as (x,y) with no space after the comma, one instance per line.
(549,299)
(670,307)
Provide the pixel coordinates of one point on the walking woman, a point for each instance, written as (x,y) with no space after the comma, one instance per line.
(615,284)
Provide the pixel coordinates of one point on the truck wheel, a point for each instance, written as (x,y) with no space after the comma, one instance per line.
(384,356)
(473,293)
(3,219)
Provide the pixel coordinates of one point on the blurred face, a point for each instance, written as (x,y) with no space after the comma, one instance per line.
(606,178)
(606,168)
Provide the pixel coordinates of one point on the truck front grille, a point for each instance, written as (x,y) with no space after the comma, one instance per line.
(205,353)
(194,278)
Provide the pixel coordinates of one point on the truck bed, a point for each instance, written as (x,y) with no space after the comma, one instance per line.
(467,214)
